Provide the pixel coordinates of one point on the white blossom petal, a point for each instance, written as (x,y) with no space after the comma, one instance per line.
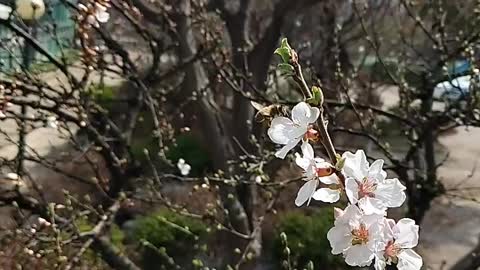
(102,16)
(340,239)
(279,130)
(380,263)
(329,180)
(376,172)
(358,255)
(409,260)
(303,114)
(351,212)
(356,165)
(373,222)
(391,192)
(351,188)
(327,195)
(183,167)
(372,206)
(282,153)
(303,163)
(306,192)
(406,233)
(307,150)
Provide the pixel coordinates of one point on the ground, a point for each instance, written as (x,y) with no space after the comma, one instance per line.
(450,229)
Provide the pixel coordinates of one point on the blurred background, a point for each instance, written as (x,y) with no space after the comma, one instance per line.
(128,139)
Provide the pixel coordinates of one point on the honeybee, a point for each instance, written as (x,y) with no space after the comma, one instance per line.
(268,112)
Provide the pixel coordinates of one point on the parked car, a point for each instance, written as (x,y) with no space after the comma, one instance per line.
(453,90)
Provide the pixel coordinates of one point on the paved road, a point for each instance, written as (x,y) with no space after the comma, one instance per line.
(452,226)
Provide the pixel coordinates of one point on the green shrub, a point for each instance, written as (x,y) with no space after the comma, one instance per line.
(168,238)
(307,240)
(104,95)
(169,229)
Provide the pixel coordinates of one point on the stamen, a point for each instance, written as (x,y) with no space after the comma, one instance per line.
(360,235)
(366,188)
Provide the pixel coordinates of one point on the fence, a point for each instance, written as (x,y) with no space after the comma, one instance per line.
(55,32)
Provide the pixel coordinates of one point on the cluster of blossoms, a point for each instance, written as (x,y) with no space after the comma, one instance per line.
(90,14)
(362,233)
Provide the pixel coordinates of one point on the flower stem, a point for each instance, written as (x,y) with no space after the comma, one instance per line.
(325,137)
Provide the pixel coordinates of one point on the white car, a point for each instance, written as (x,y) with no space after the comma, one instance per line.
(453,90)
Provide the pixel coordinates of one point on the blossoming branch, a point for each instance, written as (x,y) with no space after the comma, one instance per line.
(361,233)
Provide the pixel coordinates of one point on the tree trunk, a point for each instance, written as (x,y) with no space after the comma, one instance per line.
(213,126)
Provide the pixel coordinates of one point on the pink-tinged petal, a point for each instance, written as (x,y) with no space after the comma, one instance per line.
(326,195)
(282,153)
(376,172)
(307,150)
(102,16)
(356,165)
(359,255)
(391,192)
(409,260)
(5,12)
(340,239)
(306,192)
(371,206)
(280,130)
(329,180)
(350,213)
(406,233)
(388,229)
(303,114)
(337,212)
(373,219)
(351,188)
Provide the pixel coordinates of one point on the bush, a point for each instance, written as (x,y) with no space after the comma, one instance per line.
(169,238)
(168,229)
(307,240)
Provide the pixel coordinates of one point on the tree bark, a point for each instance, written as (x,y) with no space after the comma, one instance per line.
(209,114)
(112,255)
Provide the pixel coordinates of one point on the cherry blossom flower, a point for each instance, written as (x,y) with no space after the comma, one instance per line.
(367,184)
(5,12)
(289,132)
(399,240)
(356,235)
(100,13)
(183,167)
(316,170)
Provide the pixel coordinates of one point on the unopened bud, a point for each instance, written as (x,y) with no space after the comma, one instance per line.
(337,212)
(283,236)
